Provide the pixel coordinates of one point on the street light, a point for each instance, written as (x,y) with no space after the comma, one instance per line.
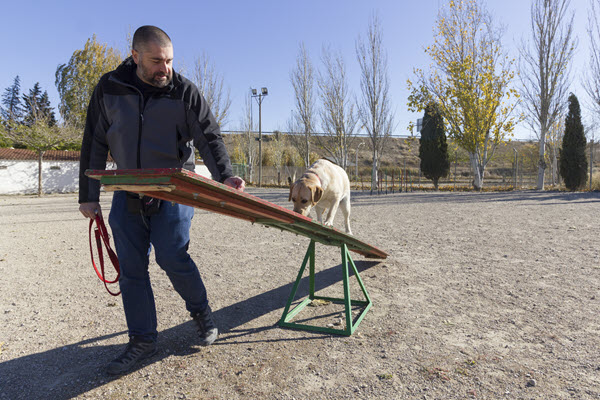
(516,167)
(356,163)
(259,99)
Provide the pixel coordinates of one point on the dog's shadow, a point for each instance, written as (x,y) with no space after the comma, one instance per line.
(68,371)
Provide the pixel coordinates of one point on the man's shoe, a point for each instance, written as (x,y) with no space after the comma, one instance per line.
(135,351)
(207,330)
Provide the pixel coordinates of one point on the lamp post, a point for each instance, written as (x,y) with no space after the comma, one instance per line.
(259,99)
(516,167)
(356,163)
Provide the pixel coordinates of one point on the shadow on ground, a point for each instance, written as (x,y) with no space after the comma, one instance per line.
(68,371)
(539,197)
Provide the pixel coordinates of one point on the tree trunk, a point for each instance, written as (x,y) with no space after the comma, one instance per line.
(436,184)
(554,169)
(40,157)
(475,168)
(478,172)
(542,162)
(374,171)
(307,143)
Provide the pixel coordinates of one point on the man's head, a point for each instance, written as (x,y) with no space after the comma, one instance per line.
(152,51)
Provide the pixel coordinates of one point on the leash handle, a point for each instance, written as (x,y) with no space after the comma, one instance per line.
(101,236)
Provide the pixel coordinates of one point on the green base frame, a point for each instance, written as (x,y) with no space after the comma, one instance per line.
(351,324)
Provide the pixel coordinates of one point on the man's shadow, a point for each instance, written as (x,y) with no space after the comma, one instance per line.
(68,371)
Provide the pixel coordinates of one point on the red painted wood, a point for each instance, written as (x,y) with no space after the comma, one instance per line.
(197,191)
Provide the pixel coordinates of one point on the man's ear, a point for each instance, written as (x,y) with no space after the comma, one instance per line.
(135,55)
(291,189)
(317,192)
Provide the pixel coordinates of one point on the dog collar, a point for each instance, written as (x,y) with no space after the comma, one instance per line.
(315,174)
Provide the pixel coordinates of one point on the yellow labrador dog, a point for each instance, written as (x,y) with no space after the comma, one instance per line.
(323,186)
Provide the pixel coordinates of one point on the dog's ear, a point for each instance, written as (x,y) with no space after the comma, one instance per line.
(291,189)
(317,192)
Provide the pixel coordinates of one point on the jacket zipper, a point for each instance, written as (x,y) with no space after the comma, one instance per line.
(139,143)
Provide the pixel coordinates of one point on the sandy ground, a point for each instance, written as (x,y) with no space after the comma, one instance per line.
(484,295)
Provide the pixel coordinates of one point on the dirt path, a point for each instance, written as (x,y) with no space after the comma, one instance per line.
(491,295)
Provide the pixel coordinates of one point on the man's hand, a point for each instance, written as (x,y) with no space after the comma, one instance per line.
(91,209)
(235,182)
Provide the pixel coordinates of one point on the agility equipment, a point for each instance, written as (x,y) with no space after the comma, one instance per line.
(185,187)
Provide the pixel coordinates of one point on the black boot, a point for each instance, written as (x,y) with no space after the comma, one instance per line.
(135,351)
(207,330)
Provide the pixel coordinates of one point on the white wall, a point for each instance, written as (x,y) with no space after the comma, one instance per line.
(21,177)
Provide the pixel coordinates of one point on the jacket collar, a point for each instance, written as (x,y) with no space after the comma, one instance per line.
(125,73)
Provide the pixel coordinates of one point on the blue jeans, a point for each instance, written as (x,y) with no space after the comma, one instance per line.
(134,235)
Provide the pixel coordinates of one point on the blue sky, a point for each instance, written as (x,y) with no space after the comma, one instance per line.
(252,43)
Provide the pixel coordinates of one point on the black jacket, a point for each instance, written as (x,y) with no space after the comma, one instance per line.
(160,132)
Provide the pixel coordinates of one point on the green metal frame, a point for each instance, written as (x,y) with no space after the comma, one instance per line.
(351,324)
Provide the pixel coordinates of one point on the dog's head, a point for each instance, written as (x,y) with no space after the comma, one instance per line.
(305,193)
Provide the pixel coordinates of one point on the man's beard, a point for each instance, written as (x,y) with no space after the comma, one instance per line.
(155,80)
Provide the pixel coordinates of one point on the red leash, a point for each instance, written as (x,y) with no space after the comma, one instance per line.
(101,234)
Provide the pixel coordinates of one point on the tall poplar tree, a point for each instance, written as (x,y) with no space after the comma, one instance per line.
(304,115)
(545,70)
(573,161)
(374,107)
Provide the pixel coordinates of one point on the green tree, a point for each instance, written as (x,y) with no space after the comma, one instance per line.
(433,149)
(573,161)
(40,137)
(12,110)
(77,79)
(37,105)
(46,109)
(469,80)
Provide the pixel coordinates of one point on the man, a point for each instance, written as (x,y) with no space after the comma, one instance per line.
(147,116)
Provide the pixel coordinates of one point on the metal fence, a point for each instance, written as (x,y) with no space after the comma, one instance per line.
(503,173)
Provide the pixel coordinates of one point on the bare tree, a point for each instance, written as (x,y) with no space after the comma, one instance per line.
(592,75)
(554,144)
(338,116)
(211,85)
(545,70)
(298,139)
(374,110)
(302,78)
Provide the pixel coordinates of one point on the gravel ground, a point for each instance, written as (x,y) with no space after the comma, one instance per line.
(484,295)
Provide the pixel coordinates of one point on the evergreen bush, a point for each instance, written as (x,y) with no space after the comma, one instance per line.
(573,162)
(433,149)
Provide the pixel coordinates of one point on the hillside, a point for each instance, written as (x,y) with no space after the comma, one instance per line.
(401,154)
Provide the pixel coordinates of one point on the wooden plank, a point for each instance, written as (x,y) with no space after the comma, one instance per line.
(141,188)
(190,189)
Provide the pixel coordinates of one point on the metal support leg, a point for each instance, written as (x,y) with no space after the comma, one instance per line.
(351,324)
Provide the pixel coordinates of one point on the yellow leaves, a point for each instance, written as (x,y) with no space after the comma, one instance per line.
(470,78)
(77,79)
